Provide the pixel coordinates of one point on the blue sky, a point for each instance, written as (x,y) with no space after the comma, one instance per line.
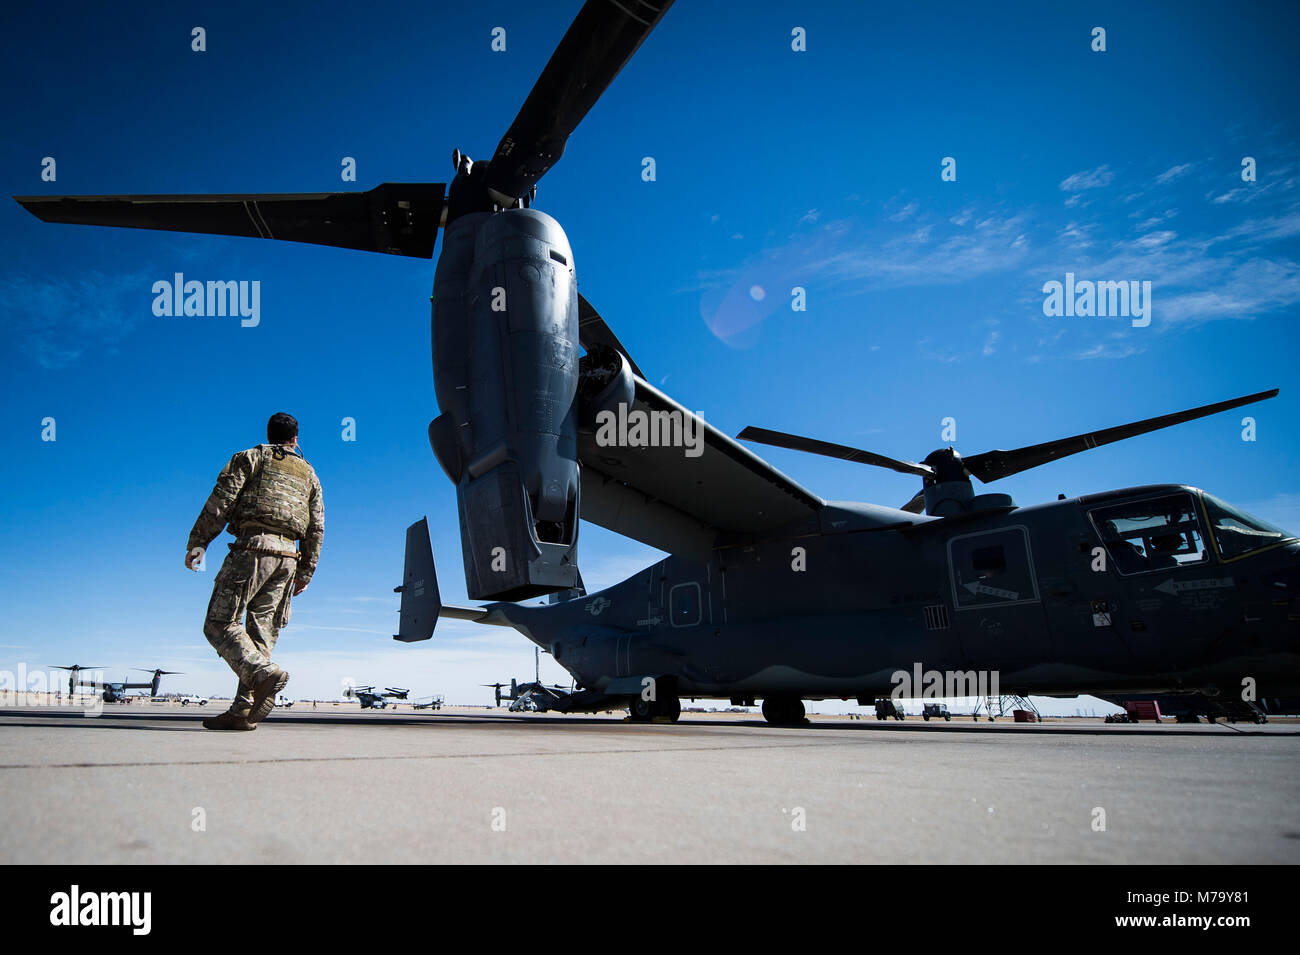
(775,169)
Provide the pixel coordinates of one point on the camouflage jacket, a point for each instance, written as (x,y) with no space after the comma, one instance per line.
(271,488)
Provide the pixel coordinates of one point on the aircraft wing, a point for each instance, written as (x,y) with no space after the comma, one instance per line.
(679,503)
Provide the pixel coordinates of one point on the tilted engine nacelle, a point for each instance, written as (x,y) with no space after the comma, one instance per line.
(505,368)
(605,382)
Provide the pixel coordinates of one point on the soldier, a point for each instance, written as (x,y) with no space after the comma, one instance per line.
(271,499)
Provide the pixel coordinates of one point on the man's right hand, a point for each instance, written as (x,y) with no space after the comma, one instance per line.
(194,559)
(299,585)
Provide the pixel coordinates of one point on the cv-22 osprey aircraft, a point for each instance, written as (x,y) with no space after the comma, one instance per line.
(771,592)
(115,692)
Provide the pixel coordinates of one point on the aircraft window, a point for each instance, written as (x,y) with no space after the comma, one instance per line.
(1237,532)
(991,568)
(684,605)
(1162,533)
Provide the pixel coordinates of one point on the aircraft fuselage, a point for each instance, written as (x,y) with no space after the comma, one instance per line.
(1033,598)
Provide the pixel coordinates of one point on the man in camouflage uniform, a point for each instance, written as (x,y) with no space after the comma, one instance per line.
(270,498)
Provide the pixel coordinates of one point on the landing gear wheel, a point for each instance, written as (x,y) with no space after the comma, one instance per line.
(783,710)
(641,711)
(670,708)
(648,711)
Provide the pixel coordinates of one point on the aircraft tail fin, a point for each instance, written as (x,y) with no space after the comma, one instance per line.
(421,602)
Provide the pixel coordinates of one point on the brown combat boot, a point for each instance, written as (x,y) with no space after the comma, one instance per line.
(264,691)
(228,721)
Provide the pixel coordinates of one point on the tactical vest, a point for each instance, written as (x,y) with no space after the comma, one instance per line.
(276,495)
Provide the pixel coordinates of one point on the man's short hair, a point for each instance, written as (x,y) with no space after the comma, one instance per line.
(282,428)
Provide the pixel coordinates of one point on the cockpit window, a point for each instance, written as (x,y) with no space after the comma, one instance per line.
(1236,532)
(1160,533)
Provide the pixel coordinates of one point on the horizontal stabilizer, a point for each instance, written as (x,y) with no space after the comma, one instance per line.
(472,614)
(400,218)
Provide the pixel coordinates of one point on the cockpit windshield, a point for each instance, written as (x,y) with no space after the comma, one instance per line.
(1161,533)
(1236,532)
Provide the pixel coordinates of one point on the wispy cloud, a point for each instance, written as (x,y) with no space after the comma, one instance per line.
(904,213)
(991,341)
(1090,179)
(55,321)
(1173,172)
(1206,270)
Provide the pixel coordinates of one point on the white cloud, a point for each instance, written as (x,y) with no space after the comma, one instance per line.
(1245,291)
(1173,172)
(55,321)
(1228,196)
(1091,179)
(906,212)
(1154,240)
(1110,351)
(991,342)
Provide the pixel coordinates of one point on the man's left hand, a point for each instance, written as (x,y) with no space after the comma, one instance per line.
(299,585)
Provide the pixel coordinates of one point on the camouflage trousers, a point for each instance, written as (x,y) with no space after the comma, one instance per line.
(250,603)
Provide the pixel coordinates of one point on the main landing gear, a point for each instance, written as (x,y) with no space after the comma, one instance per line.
(783,710)
(664,710)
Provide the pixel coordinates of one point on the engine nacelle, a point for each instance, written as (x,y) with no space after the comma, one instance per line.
(505,368)
(605,382)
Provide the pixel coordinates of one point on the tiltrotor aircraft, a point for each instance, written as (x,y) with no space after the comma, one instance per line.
(114,692)
(534,697)
(369,699)
(392,695)
(771,592)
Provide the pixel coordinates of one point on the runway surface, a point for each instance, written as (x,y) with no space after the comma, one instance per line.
(362,787)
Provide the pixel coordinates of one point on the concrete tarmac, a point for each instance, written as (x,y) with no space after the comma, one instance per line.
(149,785)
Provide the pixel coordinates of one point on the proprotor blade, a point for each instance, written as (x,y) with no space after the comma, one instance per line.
(798,443)
(916,505)
(992,465)
(400,218)
(592,330)
(600,41)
